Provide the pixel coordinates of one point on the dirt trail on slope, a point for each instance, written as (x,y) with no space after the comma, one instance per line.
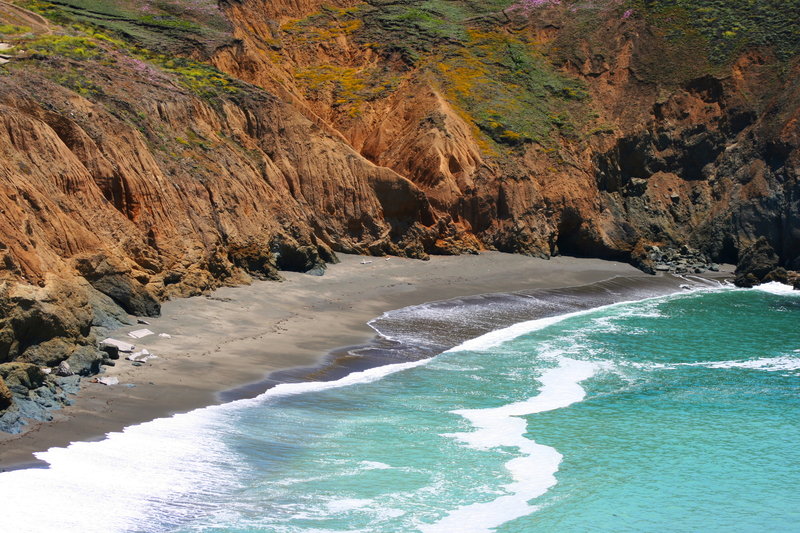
(19,16)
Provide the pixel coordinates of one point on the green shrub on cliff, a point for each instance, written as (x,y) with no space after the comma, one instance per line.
(729,27)
(73,47)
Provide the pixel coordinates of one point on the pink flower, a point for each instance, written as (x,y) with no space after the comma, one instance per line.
(627,14)
(526,6)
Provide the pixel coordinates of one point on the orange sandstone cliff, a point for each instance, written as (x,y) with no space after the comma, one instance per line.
(158,150)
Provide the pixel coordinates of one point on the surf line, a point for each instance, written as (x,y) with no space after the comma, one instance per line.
(534,471)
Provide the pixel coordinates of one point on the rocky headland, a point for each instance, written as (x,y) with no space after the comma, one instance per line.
(155,150)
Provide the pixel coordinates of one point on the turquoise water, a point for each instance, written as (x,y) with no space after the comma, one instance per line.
(677,413)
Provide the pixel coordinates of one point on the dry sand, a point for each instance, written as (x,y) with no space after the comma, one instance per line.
(239,335)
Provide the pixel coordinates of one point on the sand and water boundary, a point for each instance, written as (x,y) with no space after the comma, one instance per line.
(232,339)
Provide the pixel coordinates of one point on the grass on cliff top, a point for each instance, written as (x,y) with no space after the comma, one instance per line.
(66,57)
(173,26)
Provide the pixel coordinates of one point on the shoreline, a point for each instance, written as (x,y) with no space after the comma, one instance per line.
(233,342)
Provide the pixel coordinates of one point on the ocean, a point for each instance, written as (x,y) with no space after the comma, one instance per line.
(667,413)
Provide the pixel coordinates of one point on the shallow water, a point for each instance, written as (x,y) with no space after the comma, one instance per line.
(676,413)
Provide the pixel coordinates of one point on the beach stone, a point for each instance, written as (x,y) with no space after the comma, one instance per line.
(110,350)
(31,316)
(63,369)
(48,353)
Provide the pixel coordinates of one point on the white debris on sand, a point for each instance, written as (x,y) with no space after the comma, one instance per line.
(139,333)
(165,335)
(137,355)
(141,357)
(120,345)
(108,380)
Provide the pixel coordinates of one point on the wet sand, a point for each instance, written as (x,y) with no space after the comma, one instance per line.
(238,336)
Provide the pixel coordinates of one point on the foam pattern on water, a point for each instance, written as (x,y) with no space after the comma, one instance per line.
(591,419)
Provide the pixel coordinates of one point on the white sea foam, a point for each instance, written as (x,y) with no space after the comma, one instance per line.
(375,465)
(534,470)
(782,363)
(494,338)
(162,469)
(775,287)
(154,470)
(348,504)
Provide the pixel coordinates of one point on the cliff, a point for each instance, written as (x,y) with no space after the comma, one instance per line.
(162,149)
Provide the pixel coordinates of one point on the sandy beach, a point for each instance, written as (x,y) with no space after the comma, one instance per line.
(239,335)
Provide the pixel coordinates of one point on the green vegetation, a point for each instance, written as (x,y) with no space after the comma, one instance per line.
(13,30)
(78,81)
(498,79)
(349,87)
(164,25)
(509,89)
(87,41)
(326,25)
(729,27)
(70,46)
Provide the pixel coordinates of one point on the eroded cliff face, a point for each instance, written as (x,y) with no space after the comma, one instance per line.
(664,147)
(148,155)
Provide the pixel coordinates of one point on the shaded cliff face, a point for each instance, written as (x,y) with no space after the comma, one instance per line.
(159,149)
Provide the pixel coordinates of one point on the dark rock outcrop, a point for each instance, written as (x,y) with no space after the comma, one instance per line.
(759,263)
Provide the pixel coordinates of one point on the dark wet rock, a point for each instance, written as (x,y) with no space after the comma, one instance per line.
(70,384)
(290,255)
(652,259)
(111,351)
(758,260)
(779,275)
(22,377)
(107,315)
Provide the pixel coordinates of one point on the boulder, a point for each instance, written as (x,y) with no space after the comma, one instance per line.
(31,316)
(22,377)
(758,260)
(63,370)
(6,397)
(86,360)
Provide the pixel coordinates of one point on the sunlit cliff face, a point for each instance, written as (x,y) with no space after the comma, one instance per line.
(171,148)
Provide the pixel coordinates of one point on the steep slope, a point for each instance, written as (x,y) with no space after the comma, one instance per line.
(592,128)
(129,177)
